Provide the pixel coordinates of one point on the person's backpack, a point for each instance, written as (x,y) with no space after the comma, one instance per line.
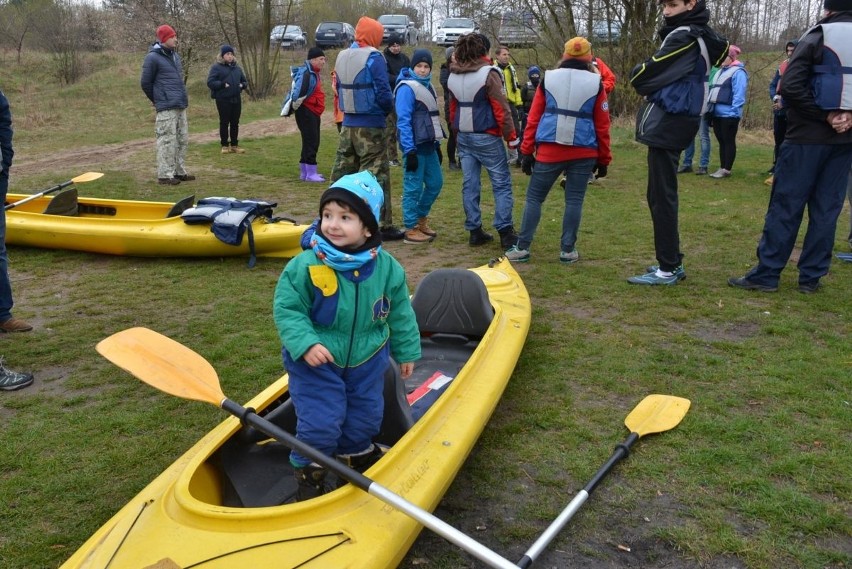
(299,90)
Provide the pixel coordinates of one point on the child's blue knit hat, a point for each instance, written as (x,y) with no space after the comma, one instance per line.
(534,70)
(362,193)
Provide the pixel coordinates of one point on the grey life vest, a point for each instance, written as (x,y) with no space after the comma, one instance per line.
(427,99)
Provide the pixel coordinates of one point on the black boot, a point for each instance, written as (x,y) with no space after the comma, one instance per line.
(479,237)
(362,461)
(311,480)
(508,237)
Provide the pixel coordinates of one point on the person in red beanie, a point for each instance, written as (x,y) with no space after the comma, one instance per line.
(162,83)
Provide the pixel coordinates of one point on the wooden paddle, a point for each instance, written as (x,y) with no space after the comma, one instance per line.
(175,369)
(654,414)
(87,177)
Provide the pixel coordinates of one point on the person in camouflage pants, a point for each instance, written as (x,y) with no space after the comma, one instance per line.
(363,148)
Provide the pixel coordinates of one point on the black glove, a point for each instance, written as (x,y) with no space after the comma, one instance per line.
(599,171)
(440,154)
(411,162)
(527,163)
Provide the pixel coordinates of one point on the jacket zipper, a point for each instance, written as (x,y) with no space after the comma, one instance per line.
(645,118)
(354,320)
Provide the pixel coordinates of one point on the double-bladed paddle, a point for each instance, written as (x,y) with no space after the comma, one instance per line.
(177,370)
(87,177)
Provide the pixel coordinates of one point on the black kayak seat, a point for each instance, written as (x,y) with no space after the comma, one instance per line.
(452,301)
(181,206)
(63,203)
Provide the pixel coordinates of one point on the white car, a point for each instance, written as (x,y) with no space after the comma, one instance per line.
(452,29)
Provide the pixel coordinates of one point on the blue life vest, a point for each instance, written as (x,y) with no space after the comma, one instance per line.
(687,96)
(304,83)
(832,80)
(568,118)
(355,81)
(473,111)
(426,118)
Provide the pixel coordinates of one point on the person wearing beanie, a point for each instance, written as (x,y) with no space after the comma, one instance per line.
(673,83)
(162,82)
(480,115)
(342,310)
(365,96)
(567,131)
(307,102)
(727,98)
(527,94)
(444,76)
(226,82)
(513,94)
(420,135)
(397,61)
(779,112)
(815,158)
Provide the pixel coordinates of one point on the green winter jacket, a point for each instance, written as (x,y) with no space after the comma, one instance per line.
(353,320)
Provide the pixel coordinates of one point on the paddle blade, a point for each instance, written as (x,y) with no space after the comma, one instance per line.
(87,177)
(657,413)
(163,363)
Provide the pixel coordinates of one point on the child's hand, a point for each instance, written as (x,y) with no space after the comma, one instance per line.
(318,355)
(405,370)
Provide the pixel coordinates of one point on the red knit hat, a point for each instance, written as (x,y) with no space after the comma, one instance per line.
(165,32)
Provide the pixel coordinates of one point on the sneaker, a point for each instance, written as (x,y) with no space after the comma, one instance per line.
(15,325)
(654,279)
(684,169)
(743,282)
(226,150)
(508,237)
(562,182)
(237,150)
(393,163)
(12,380)
(721,173)
(845,257)
(423,226)
(479,237)
(679,272)
(184,177)
(569,257)
(809,288)
(454,165)
(414,236)
(518,255)
(768,181)
(702,170)
(168,181)
(592,179)
(391,233)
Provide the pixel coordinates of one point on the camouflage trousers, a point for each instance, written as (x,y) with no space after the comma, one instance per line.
(172,131)
(390,131)
(363,148)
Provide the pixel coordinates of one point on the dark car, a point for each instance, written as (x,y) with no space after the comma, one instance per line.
(334,34)
(289,36)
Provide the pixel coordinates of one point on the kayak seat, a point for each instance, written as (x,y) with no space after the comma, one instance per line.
(181,206)
(453,302)
(63,203)
(397,418)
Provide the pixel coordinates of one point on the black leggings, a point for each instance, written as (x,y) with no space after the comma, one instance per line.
(229,121)
(725,129)
(309,127)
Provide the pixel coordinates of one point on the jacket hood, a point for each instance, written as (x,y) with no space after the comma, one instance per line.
(368,32)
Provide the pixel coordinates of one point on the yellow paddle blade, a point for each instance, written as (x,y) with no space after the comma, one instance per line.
(163,363)
(87,177)
(657,413)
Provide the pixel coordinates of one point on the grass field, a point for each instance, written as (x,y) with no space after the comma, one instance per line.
(756,476)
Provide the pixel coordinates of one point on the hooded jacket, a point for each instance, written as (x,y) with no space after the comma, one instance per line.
(371,108)
(417,120)
(396,63)
(223,72)
(162,79)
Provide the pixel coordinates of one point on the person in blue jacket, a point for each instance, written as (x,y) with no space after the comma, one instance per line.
(727,99)
(342,309)
(226,82)
(420,132)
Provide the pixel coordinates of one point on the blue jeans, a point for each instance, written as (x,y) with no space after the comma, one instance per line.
(420,188)
(477,149)
(704,138)
(5,285)
(543,177)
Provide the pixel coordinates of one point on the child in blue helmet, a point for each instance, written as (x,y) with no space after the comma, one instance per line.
(342,309)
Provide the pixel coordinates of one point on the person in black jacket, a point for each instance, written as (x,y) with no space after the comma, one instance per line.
(397,61)
(451,137)
(814,160)
(162,83)
(226,82)
(673,82)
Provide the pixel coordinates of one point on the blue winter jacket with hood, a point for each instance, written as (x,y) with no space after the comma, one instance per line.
(162,79)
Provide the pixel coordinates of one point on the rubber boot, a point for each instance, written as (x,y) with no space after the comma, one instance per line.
(303,171)
(311,174)
(311,481)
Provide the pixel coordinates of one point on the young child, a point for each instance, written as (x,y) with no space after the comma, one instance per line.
(342,309)
(674,84)
(420,132)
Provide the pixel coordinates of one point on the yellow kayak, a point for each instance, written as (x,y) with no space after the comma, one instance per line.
(227,502)
(137,228)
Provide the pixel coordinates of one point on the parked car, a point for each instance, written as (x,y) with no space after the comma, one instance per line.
(605,32)
(401,25)
(288,36)
(518,29)
(452,29)
(334,34)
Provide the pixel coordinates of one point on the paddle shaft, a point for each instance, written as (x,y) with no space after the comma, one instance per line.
(373,488)
(621,452)
(38,195)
